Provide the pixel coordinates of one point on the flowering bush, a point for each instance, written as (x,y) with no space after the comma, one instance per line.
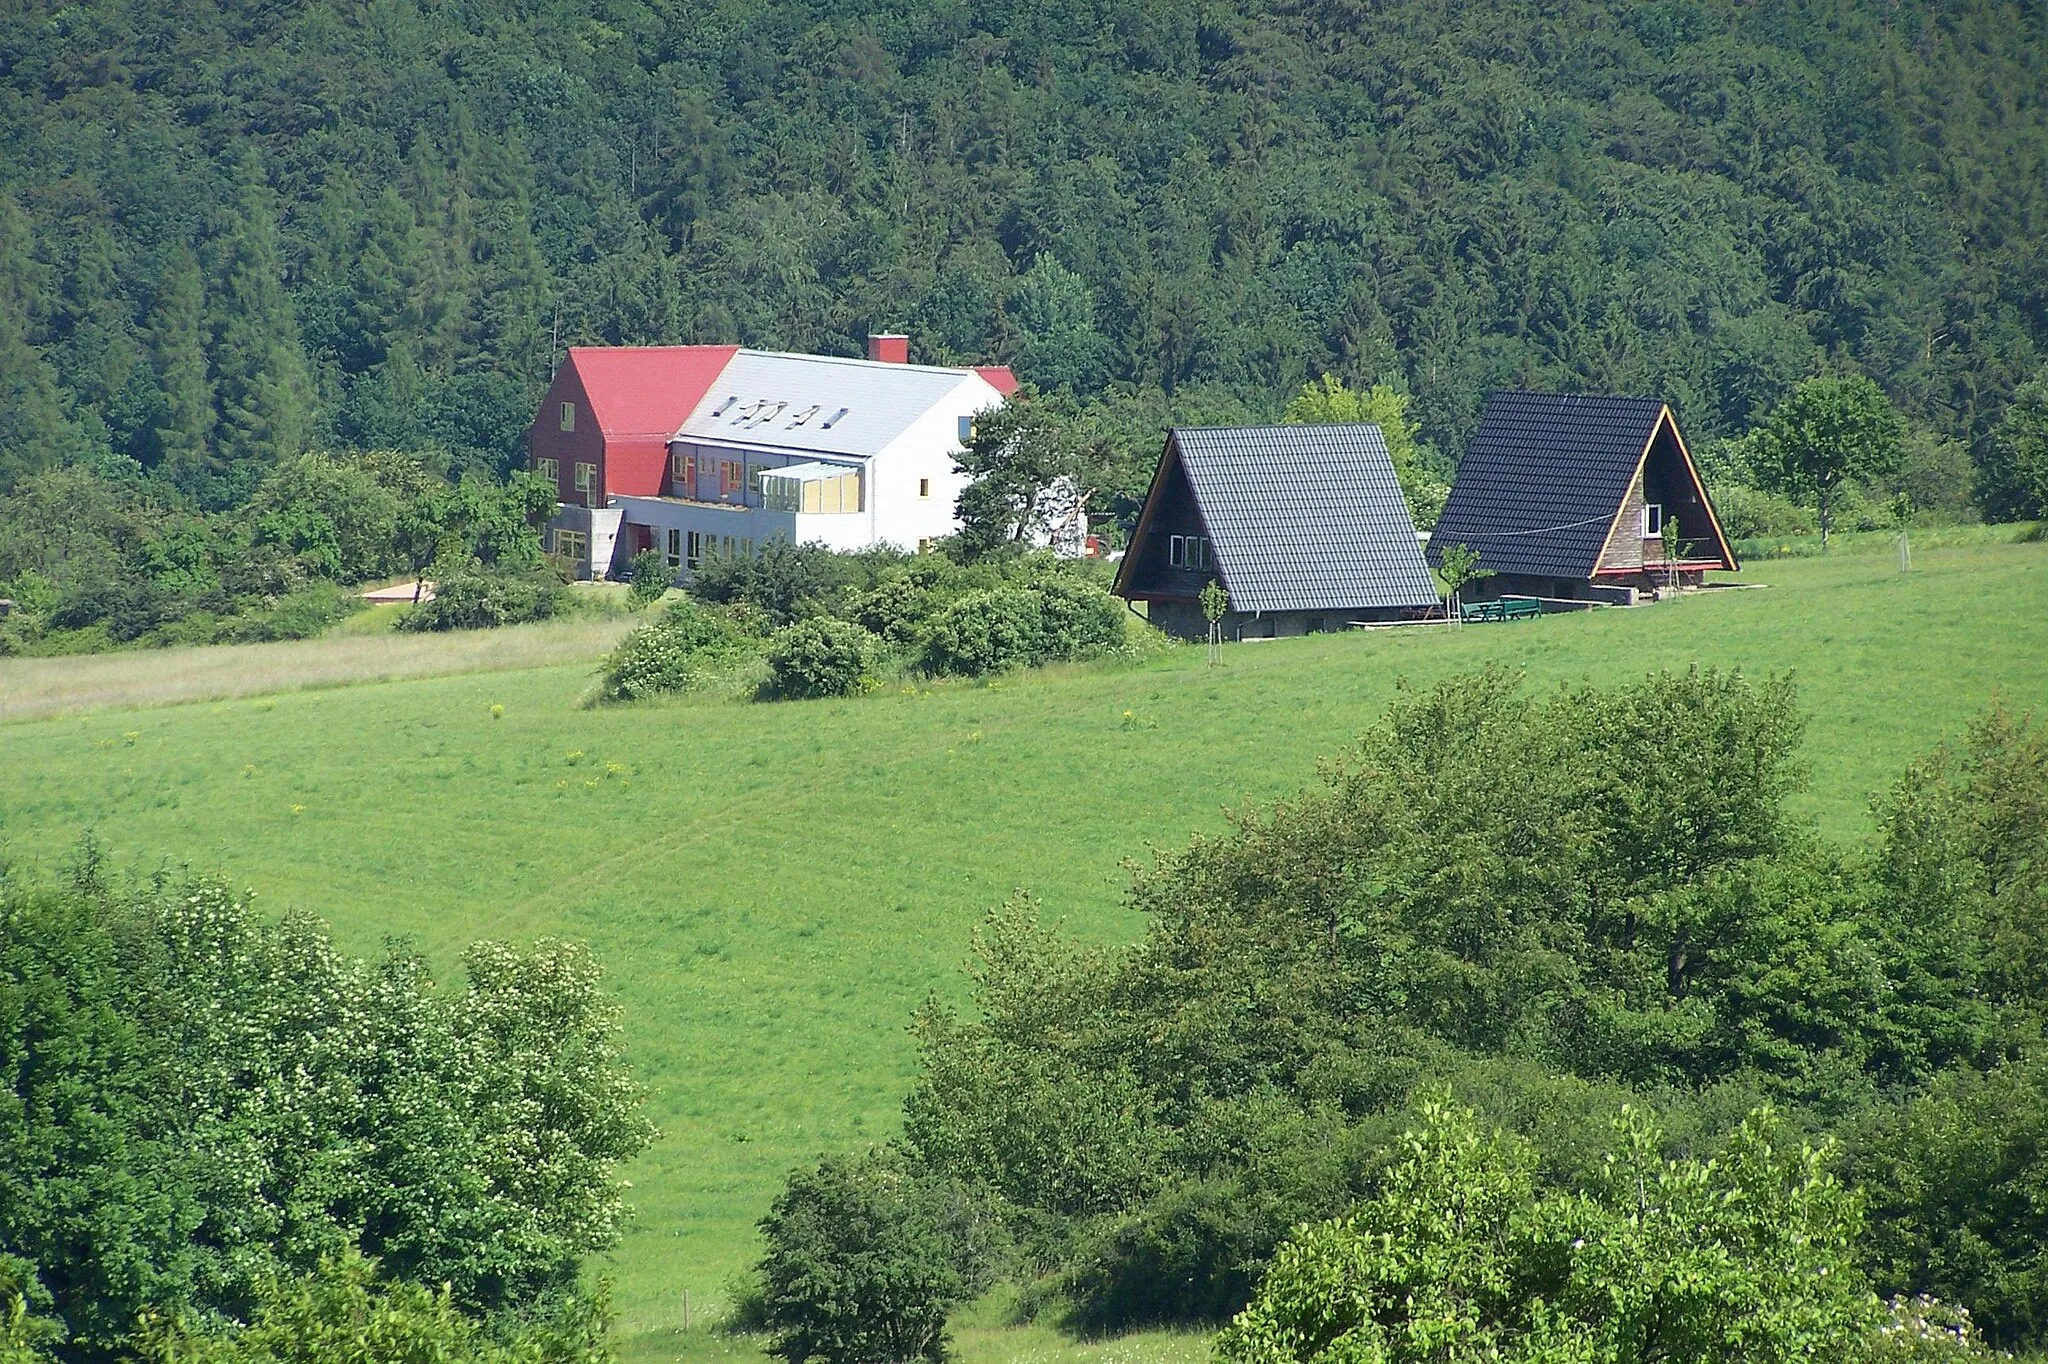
(687,648)
(1746,1259)
(822,657)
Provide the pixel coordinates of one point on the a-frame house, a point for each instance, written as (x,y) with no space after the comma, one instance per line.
(1570,496)
(1304,527)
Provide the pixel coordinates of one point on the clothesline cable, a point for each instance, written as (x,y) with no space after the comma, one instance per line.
(1539,530)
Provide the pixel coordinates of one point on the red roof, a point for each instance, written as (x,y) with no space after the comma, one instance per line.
(641,396)
(999,377)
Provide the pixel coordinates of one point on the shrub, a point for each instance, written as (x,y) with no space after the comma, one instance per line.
(822,657)
(682,651)
(865,1258)
(1749,513)
(25,1333)
(985,632)
(896,609)
(297,615)
(785,581)
(345,1311)
(651,577)
(1745,1259)
(477,600)
(1077,620)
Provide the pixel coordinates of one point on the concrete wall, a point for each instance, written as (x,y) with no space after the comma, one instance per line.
(600,526)
(1184,620)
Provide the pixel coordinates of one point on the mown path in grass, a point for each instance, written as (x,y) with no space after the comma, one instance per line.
(774,887)
(350,656)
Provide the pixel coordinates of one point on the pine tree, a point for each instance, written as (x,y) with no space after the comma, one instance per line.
(33,432)
(261,383)
(177,350)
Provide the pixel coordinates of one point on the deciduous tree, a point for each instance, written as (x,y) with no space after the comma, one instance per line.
(1833,429)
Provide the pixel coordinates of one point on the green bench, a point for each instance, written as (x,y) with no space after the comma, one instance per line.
(1502,608)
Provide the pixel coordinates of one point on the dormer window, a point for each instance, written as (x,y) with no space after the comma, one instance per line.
(568,416)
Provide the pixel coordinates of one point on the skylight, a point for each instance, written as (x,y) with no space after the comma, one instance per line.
(720,410)
(833,420)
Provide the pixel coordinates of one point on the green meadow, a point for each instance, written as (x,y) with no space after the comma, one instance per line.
(773,888)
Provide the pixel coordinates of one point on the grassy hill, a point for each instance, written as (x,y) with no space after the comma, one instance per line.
(774,887)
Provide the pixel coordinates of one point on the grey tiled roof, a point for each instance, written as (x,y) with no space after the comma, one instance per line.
(1305,518)
(1539,488)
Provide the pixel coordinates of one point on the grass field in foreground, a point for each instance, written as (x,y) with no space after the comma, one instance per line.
(773,887)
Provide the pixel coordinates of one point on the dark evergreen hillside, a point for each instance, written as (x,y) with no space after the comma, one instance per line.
(231,230)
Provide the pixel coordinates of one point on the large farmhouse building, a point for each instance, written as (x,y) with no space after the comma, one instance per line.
(1303,527)
(696,450)
(1581,497)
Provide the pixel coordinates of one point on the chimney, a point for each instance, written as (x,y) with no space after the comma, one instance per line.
(891,348)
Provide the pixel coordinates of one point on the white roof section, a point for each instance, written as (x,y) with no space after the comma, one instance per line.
(811,473)
(820,403)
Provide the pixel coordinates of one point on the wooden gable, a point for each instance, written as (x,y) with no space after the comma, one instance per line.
(1665,479)
(1148,572)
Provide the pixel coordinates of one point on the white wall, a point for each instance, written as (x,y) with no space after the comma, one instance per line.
(925,449)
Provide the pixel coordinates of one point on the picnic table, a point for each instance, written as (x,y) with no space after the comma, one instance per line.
(1501,608)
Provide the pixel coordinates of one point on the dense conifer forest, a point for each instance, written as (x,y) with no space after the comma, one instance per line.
(232,231)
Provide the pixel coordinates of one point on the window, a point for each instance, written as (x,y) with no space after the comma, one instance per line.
(673,557)
(1653,520)
(586,477)
(812,491)
(696,549)
(1187,551)
(732,476)
(924,487)
(746,549)
(966,429)
(831,495)
(572,545)
(568,416)
(682,468)
(549,469)
(725,545)
(924,546)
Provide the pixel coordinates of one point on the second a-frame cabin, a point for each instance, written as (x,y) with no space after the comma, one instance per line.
(1581,497)
(1304,527)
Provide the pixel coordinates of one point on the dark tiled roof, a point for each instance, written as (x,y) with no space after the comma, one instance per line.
(1305,518)
(1538,490)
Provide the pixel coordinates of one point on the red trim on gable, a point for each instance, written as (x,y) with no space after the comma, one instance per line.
(999,378)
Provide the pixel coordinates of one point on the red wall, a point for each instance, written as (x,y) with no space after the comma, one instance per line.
(547,440)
